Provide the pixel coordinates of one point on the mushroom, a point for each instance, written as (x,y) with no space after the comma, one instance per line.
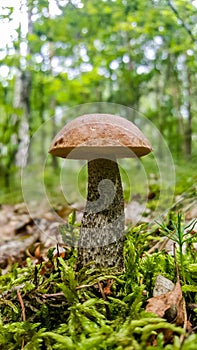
(101,139)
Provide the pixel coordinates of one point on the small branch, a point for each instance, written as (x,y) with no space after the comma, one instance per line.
(22,305)
(182,337)
(181,20)
(60,294)
(23,315)
(192,306)
(85,286)
(12,289)
(108,313)
(159,245)
(101,291)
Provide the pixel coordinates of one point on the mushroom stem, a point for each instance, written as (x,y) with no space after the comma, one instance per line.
(102,228)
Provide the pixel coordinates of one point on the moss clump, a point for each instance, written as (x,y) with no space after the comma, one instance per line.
(49,305)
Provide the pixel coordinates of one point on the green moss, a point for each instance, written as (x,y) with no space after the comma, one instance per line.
(65,309)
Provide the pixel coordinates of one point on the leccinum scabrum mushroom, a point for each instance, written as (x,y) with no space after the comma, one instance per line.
(101,139)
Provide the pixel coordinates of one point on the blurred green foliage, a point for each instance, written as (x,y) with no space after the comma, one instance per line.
(140,54)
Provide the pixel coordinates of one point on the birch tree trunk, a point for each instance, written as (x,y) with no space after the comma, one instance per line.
(23,90)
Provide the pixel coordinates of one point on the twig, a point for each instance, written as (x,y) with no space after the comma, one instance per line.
(22,305)
(181,20)
(108,313)
(159,245)
(85,286)
(36,276)
(12,289)
(192,306)
(23,315)
(101,291)
(182,337)
(60,294)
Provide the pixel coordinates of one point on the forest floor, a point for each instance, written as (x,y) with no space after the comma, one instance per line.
(46,304)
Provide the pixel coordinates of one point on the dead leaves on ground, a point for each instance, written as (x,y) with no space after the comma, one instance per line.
(170,306)
(22,235)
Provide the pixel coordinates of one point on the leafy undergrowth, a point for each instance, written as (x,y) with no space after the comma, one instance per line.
(46,304)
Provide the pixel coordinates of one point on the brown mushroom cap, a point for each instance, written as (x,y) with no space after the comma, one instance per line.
(99,135)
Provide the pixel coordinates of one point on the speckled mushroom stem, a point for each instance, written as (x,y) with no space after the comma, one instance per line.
(102,228)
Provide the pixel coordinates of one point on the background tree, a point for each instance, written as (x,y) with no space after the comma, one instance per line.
(64,53)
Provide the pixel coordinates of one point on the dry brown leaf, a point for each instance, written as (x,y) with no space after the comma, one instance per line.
(12,222)
(63,212)
(169,305)
(107,288)
(191,213)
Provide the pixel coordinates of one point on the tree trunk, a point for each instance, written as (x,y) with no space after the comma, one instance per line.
(23,96)
(188,129)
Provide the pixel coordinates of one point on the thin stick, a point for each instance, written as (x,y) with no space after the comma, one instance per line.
(22,305)
(101,290)
(182,337)
(108,313)
(60,294)
(86,286)
(182,21)
(23,315)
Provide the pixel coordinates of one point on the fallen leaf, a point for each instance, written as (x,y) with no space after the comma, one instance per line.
(162,285)
(170,305)
(107,288)
(15,248)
